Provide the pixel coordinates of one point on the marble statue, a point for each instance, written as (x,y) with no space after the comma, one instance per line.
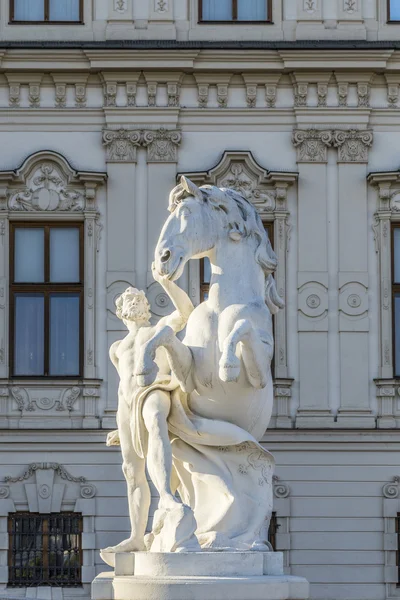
(194,411)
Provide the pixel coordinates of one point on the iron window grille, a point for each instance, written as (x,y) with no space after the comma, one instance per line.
(45,550)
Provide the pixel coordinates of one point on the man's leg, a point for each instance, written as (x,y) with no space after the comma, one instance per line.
(138,488)
(159,454)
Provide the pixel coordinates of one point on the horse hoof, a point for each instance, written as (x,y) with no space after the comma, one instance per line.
(229,373)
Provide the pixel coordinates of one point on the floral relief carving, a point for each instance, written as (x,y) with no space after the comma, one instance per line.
(310,6)
(120,5)
(363,92)
(80,95)
(222,95)
(350,6)
(343,90)
(312,144)
(161,6)
(47,192)
(26,400)
(121,144)
(251,96)
(270,95)
(322,93)
(353,144)
(151,94)
(110,94)
(61,95)
(202,95)
(300,94)
(33,467)
(14,95)
(238,180)
(131,89)
(393,95)
(34,95)
(173,91)
(161,144)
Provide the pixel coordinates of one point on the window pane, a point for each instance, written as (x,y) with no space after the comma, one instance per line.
(64,255)
(206,270)
(28,10)
(64,334)
(29,334)
(395,10)
(396,257)
(217,10)
(252,10)
(397,333)
(64,10)
(29,255)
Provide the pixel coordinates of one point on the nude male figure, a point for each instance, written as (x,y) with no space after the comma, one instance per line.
(134,310)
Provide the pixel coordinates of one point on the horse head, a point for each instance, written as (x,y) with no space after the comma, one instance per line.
(201,218)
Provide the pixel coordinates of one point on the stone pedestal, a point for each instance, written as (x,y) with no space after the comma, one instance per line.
(199,576)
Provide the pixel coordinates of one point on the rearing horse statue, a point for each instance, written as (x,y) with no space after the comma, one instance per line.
(222,402)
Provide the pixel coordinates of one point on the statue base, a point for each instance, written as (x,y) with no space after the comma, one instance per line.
(199,576)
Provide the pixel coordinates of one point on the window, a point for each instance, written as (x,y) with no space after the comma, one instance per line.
(205,267)
(46,322)
(45,549)
(236,11)
(273,530)
(393,10)
(44,11)
(396,296)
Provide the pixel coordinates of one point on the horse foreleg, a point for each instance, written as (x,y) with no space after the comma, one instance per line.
(179,358)
(256,354)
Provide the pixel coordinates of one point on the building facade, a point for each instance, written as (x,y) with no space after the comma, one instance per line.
(295,103)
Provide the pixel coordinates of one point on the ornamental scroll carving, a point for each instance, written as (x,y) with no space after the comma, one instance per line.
(47,191)
(121,144)
(352,144)
(47,490)
(312,144)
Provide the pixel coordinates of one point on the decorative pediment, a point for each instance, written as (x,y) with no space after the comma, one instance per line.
(240,171)
(47,487)
(46,182)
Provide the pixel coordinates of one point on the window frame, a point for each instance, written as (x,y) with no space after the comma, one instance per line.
(45,537)
(395,290)
(46,20)
(46,288)
(234,20)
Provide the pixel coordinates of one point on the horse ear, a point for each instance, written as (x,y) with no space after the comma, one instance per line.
(191,188)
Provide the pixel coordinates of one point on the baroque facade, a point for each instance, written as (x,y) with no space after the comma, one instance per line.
(298,109)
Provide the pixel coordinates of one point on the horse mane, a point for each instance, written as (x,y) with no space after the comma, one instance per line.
(244,222)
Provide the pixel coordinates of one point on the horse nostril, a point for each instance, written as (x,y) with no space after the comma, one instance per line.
(166,256)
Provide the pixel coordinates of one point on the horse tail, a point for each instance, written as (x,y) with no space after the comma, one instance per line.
(272,299)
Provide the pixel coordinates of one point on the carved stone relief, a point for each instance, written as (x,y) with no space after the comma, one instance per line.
(162,144)
(312,144)
(60,95)
(352,144)
(353,307)
(46,191)
(313,304)
(80,95)
(121,144)
(120,6)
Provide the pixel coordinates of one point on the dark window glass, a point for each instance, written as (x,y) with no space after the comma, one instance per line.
(273,530)
(46,299)
(64,10)
(217,11)
(28,10)
(45,549)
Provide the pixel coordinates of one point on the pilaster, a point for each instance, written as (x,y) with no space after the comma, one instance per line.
(353,146)
(121,154)
(312,155)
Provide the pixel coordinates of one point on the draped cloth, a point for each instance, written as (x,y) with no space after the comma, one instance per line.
(223,474)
